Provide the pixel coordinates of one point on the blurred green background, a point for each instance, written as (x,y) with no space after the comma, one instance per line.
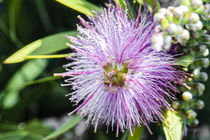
(32,102)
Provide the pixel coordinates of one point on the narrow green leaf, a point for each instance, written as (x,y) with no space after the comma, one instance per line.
(82,6)
(14,8)
(47,45)
(28,72)
(42,10)
(43,80)
(172,126)
(136,134)
(184,61)
(46,56)
(64,128)
(19,55)
(19,135)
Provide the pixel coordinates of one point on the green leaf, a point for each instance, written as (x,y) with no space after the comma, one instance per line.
(19,135)
(81,6)
(64,128)
(37,127)
(172,126)
(13,11)
(136,134)
(43,80)
(28,72)
(184,61)
(150,4)
(47,45)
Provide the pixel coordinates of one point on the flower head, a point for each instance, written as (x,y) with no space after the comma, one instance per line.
(117,77)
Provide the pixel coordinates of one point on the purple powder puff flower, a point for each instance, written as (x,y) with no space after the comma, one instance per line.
(118,79)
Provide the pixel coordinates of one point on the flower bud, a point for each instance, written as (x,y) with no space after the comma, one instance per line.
(184,37)
(157,28)
(196,72)
(157,41)
(206,53)
(203,77)
(200,104)
(178,13)
(184,9)
(191,114)
(203,62)
(163,11)
(200,88)
(196,3)
(158,17)
(206,14)
(194,18)
(167,42)
(202,48)
(187,96)
(175,104)
(195,123)
(197,26)
(172,28)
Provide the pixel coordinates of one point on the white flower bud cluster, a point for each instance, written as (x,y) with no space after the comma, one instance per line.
(176,23)
(206,14)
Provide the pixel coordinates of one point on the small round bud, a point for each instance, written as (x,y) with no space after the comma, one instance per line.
(167,42)
(203,77)
(197,26)
(196,3)
(196,35)
(200,104)
(163,11)
(187,96)
(170,8)
(184,9)
(200,88)
(206,53)
(157,41)
(196,72)
(195,123)
(175,104)
(191,114)
(172,28)
(157,28)
(158,17)
(202,48)
(203,62)
(184,37)
(194,18)
(178,13)
(206,14)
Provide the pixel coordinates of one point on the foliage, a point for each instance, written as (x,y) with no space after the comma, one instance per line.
(29,94)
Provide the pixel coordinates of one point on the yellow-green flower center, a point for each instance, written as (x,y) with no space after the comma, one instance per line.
(115,75)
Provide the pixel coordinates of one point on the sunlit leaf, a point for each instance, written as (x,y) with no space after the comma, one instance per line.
(136,134)
(47,45)
(82,6)
(28,72)
(184,61)
(64,128)
(172,126)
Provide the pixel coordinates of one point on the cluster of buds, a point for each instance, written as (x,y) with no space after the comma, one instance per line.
(176,24)
(183,26)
